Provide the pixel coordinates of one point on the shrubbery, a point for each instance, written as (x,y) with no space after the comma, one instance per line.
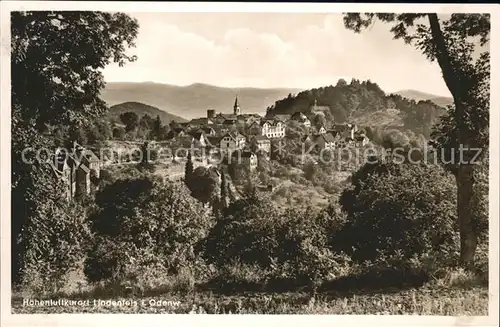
(291,244)
(399,210)
(141,224)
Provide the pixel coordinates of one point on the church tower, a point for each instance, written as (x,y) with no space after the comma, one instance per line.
(236,107)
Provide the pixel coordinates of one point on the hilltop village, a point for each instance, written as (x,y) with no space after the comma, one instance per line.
(251,134)
(249,138)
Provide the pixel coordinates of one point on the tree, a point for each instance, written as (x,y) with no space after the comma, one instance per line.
(118,133)
(223,189)
(146,122)
(451,42)
(204,185)
(57,58)
(142,224)
(59,52)
(188,171)
(157,128)
(398,208)
(130,119)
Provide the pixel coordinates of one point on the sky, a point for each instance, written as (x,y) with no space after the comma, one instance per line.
(265,50)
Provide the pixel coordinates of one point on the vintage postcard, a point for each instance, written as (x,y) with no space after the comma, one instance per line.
(258,162)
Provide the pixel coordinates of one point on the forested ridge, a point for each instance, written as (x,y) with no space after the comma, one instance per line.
(348,101)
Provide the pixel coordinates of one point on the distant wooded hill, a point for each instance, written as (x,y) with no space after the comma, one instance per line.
(418,96)
(193,100)
(142,109)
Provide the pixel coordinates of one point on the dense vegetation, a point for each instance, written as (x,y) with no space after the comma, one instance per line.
(388,225)
(348,101)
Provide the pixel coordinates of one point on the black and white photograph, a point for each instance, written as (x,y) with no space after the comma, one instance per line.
(250,159)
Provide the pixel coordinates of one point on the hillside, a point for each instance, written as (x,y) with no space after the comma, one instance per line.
(364,103)
(418,96)
(142,109)
(193,100)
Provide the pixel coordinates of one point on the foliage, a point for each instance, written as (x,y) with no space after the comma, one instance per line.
(292,244)
(130,120)
(188,171)
(44,249)
(347,101)
(142,224)
(398,208)
(453,43)
(57,59)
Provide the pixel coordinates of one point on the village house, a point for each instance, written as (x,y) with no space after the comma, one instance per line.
(176,132)
(198,138)
(317,109)
(346,130)
(301,118)
(208,130)
(282,117)
(75,170)
(246,158)
(271,128)
(261,142)
(325,141)
(321,130)
(360,139)
(231,141)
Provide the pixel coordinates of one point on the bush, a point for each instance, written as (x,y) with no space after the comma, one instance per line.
(406,209)
(49,236)
(141,224)
(289,245)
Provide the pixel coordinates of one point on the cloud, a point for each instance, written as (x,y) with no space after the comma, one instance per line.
(313,55)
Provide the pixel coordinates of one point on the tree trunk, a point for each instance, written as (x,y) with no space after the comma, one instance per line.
(468,234)
(464,175)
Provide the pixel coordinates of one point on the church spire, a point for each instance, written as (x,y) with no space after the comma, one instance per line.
(236,107)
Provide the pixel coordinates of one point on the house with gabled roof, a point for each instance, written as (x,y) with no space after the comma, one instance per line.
(282,117)
(231,141)
(323,141)
(261,142)
(246,158)
(346,130)
(315,108)
(269,127)
(176,132)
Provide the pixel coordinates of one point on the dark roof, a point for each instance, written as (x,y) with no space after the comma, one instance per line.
(178,129)
(327,137)
(199,121)
(229,122)
(213,140)
(360,137)
(298,115)
(243,153)
(340,127)
(271,120)
(233,135)
(282,116)
(197,135)
(228,116)
(207,129)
